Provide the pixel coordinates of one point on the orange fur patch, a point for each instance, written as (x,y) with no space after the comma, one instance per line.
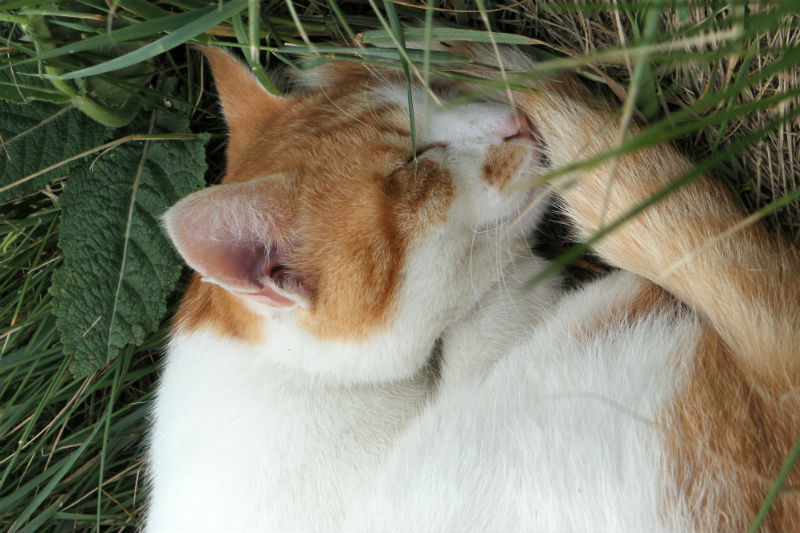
(726,436)
(206,305)
(502,163)
(420,197)
(727,439)
(649,299)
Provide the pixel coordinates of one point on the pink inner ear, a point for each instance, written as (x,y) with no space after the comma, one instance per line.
(267,296)
(228,235)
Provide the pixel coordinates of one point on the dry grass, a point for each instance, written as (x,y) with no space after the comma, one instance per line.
(767,170)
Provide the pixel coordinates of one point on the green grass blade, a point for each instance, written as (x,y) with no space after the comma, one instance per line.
(37,412)
(342,19)
(426,62)
(130,33)
(445,34)
(299,25)
(16,4)
(82,28)
(120,369)
(251,54)
(397,30)
(38,523)
(201,23)
(143,8)
(54,480)
(59,13)
(777,486)
(644,82)
(739,85)
(253,29)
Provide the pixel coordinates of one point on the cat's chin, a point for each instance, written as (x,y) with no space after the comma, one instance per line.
(524,218)
(531,210)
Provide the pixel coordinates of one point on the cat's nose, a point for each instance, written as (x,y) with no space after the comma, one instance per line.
(515,126)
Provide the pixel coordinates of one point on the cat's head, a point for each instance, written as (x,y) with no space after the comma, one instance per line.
(350,257)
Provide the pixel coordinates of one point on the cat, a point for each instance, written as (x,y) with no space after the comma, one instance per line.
(358,349)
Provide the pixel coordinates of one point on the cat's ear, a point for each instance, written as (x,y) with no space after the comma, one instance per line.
(237,236)
(244,99)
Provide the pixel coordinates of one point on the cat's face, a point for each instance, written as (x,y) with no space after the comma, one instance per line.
(325,224)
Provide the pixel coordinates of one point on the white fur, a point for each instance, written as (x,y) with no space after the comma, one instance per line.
(240,444)
(533,427)
(561,434)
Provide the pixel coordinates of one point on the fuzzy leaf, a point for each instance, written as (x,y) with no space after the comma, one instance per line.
(119,268)
(38,135)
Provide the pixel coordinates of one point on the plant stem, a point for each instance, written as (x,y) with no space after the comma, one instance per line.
(40,33)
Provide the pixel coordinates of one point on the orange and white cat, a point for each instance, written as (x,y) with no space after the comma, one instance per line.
(356,350)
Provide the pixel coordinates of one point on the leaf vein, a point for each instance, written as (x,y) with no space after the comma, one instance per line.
(126,238)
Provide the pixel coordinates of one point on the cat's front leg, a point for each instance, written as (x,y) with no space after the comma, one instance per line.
(744,282)
(503,315)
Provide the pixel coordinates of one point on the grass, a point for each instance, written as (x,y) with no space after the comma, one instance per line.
(62,434)
(720,79)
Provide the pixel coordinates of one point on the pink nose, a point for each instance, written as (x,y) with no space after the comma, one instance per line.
(515,125)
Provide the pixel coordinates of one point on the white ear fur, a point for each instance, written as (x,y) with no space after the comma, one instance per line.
(235,236)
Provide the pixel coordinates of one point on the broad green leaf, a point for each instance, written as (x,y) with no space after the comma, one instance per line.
(118,266)
(37,136)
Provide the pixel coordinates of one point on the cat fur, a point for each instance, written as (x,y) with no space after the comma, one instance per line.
(357,350)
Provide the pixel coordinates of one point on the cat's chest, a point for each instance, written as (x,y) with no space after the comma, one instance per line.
(258,431)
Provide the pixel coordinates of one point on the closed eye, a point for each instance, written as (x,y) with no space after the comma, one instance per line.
(424,148)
